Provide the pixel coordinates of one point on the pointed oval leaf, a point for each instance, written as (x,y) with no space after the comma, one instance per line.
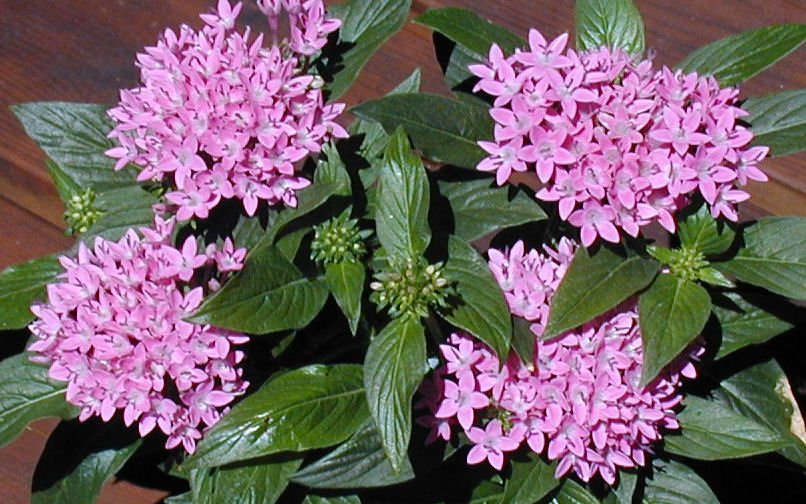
(401,207)
(311,407)
(480,208)
(611,23)
(672,312)
(28,394)
(624,490)
(779,121)
(738,57)
(594,284)
(530,481)
(574,493)
(705,234)
(394,366)
(745,323)
(711,431)
(122,209)
(20,285)
(78,459)
(359,462)
(270,294)
(482,309)
(346,281)
(259,483)
(675,483)
(445,130)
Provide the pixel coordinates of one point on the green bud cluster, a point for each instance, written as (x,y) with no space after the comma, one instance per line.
(410,287)
(80,215)
(338,240)
(687,263)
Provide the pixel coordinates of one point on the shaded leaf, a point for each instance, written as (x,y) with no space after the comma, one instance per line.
(672,312)
(574,493)
(21,285)
(675,483)
(123,209)
(523,340)
(345,499)
(482,309)
(746,323)
(259,483)
(778,121)
(346,281)
(611,23)
(393,369)
(738,57)
(594,284)
(530,481)
(624,490)
(311,407)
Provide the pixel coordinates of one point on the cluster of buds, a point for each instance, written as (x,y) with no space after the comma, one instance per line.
(410,287)
(80,213)
(339,240)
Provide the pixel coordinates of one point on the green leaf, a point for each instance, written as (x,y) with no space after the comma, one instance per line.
(360,462)
(445,130)
(523,340)
(703,233)
(773,256)
(737,58)
(65,186)
(311,407)
(346,281)
(393,369)
(480,208)
(185,498)
(778,121)
(346,499)
(74,136)
(259,483)
(270,294)
(594,284)
(745,323)
(401,214)
(672,312)
(21,285)
(28,394)
(675,483)
(366,24)
(482,310)
(78,459)
(762,392)
(611,23)
(625,489)
(123,209)
(289,244)
(530,481)
(711,431)
(574,493)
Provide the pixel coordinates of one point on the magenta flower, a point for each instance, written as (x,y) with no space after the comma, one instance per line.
(490,444)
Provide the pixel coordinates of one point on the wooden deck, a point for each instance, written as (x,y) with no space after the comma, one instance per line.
(82,50)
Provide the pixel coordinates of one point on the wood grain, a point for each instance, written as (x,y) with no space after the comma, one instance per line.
(82,50)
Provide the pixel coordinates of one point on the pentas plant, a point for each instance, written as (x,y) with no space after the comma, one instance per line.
(272,301)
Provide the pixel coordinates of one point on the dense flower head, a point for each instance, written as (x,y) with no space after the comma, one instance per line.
(113,329)
(218,116)
(580,402)
(616,144)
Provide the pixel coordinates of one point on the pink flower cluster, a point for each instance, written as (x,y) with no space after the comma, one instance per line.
(113,329)
(307,23)
(218,116)
(616,144)
(580,403)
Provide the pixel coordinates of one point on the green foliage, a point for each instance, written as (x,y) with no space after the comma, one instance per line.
(21,285)
(531,480)
(259,483)
(346,282)
(594,284)
(611,23)
(28,394)
(348,499)
(743,322)
(675,483)
(736,58)
(672,312)
(701,232)
(573,493)
(311,407)
(120,210)
(779,121)
(393,369)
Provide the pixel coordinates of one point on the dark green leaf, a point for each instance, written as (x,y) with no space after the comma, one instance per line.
(394,367)
(74,136)
(611,23)
(366,24)
(401,213)
(346,282)
(737,58)
(574,493)
(65,186)
(78,459)
(703,233)
(259,483)
(482,309)
(346,499)
(773,256)
(746,323)
(21,285)
(27,394)
(312,407)
(762,392)
(270,294)
(594,284)
(675,483)
(185,498)
(445,130)
(779,121)
(289,244)
(672,312)
(480,208)
(359,462)
(530,481)
(523,340)
(123,209)
(625,489)
(711,431)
